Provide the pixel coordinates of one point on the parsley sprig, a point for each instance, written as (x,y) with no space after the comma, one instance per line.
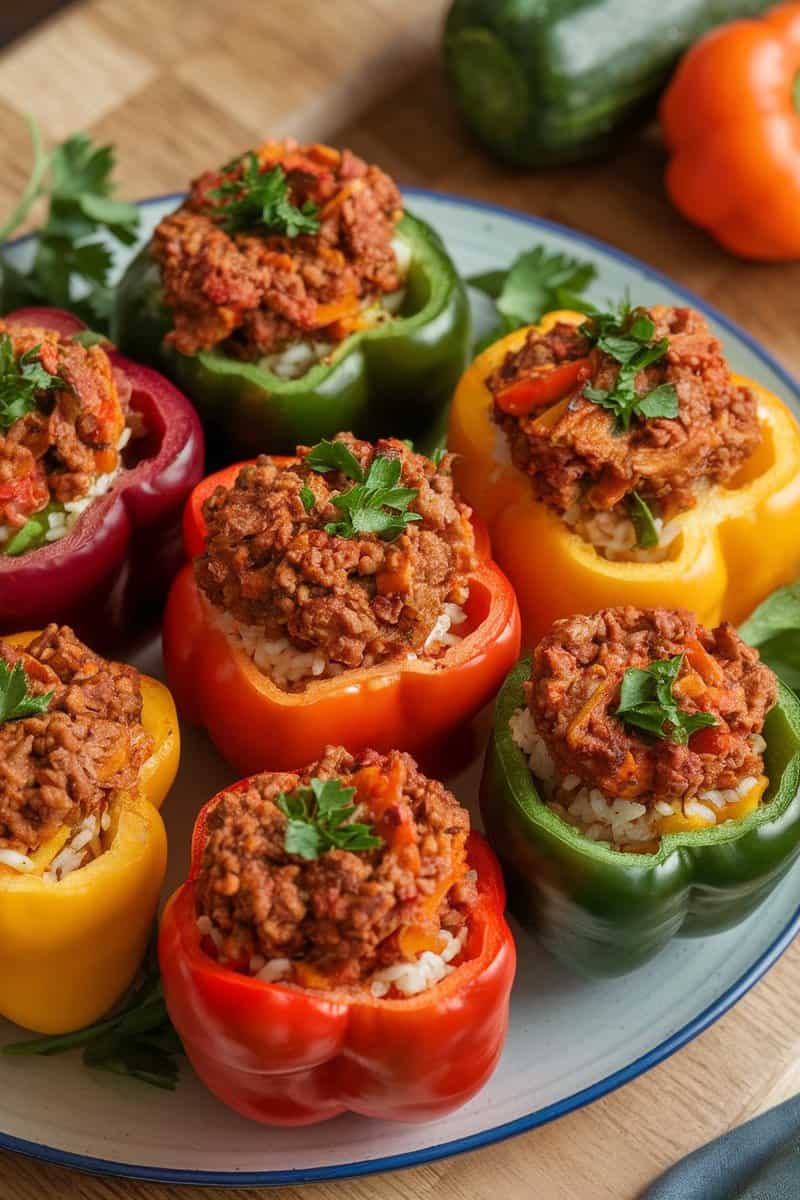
(319,819)
(375,504)
(643,520)
(16,698)
(255,198)
(138,1040)
(72,264)
(20,379)
(536,282)
(627,336)
(646,702)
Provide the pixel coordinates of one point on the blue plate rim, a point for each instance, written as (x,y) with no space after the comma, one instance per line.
(580,1099)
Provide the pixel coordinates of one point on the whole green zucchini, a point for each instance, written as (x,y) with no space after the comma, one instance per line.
(551,81)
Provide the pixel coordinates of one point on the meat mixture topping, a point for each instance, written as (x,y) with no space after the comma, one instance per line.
(352,873)
(641,722)
(353,555)
(622,421)
(70,736)
(64,420)
(287,244)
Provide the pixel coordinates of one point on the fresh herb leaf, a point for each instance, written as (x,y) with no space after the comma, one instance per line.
(20,379)
(16,698)
(661,402)
(32,535)
(255,198)
(138,1040)
(626,335)
(643,521)
(334,456)
(774,630)
(646,702)
(537,281)
(307,497)
(365,505)
(318,819)
(438,455)
(72,265)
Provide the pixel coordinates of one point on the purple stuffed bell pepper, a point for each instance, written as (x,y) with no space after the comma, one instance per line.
(97,458)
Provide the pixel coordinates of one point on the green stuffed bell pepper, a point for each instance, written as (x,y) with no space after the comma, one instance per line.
(291,297)
(690,866)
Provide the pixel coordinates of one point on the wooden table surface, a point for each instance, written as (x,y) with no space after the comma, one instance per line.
(179,87)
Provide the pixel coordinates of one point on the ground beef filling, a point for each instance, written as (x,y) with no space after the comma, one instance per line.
(270,565)
(61,767)
(252,293)
(591,761)
(586,472)
(56,454)
(345,917)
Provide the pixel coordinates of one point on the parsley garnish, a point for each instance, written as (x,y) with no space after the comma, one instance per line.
(438,455)
(72,264)
(535,283)
(16,698)
(318,819)
(20,379)
(626,336)
(307,497)
(647,703)
(365,505)
(257,197)
(643,521)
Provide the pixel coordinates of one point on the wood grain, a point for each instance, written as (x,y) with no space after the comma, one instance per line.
(179,86)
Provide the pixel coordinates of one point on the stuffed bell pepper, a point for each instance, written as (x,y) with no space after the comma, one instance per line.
(342,596)
(97,457)
(339,945)
(88,751)
(617,460)
(291,296)
(643,780)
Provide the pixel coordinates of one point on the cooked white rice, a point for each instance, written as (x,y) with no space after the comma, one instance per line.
(407,978)
(84,844)
(613,534)
(288,668)
(618,821)
(295,359)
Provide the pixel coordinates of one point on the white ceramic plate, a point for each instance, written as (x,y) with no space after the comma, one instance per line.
(569,1042)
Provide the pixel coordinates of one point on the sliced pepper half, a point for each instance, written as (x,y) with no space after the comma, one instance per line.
(394,378)
(108,577)
(68,950)
(735,546)
(604,911)
(285,1055)
(407,705)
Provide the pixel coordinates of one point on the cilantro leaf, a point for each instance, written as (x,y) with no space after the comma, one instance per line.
(364,505)
(661,402)
(646,702)
(16,699)
(626,335)
(334,456)
(20,379)
(255,197)
(72,266)
(643,521)
(537,281)
(318,818)
(307,498)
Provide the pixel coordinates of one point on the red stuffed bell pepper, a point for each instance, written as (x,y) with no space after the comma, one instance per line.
(343,628)
(97,457)
(296,1020)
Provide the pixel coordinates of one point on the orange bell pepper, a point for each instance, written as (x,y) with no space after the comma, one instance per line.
(736,545)
(407,705)
(731,121)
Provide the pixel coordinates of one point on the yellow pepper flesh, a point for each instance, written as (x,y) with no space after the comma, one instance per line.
(69,949)
(735,546)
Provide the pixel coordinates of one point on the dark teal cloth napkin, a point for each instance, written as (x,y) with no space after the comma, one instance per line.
(757,1161)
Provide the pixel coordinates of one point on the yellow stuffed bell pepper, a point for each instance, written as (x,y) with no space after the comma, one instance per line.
(736,545)
(69,949)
